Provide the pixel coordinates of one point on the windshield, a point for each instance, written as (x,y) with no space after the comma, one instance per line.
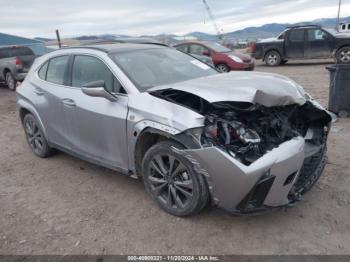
(148,68)
(217,47)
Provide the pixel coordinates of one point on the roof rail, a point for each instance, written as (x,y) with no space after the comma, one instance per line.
(301,26)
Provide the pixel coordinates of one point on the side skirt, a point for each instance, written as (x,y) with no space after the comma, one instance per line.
(93,160)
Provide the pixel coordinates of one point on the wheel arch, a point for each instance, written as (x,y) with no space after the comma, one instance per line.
(272,49)
(5,71)
(26,108)
(150,136)
(340,46)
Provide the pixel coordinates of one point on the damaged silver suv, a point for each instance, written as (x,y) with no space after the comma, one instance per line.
(244,141)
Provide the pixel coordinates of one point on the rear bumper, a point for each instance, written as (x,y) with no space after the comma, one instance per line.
(20,76)
(265,184)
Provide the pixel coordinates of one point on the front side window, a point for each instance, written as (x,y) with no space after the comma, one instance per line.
(152,67)
(88,69)
(198,50)
(316,35)
(296,35)
(56,70)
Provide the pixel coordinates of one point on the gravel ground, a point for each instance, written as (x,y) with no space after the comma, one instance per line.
(62,205)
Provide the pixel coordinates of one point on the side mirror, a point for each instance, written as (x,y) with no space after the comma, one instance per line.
(206,53)
(97,89)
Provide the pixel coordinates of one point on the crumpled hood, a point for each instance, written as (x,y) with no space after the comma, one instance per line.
(252,87)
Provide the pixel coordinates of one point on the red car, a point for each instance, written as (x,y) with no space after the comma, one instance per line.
(223,58)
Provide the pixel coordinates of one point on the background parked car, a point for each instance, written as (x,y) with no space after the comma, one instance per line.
(303,42)
(223,58)
(15,63)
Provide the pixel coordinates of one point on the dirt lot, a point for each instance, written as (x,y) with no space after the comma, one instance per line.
(62,205)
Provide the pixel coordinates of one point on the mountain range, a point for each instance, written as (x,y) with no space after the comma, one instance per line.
(249,33)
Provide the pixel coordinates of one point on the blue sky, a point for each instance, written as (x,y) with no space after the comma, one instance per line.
(141,17)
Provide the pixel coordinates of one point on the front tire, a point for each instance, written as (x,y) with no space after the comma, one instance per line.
(171,180)
(273,58)
(10,81)
(35,137)
(343,55)
(222,68)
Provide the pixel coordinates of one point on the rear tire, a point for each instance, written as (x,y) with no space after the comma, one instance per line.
(35,137)
(172,181)
(343,55)
(10,81)
(273,58)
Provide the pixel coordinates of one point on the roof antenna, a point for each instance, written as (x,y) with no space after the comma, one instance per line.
(58,39)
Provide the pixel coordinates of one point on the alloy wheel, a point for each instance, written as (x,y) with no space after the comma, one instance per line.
(170,181)
(345,56)
(34,136)
(272,59)
(222,68)
(10,81)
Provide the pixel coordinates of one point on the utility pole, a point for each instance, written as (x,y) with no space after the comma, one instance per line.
(338,18)
(211,16)
(58,38)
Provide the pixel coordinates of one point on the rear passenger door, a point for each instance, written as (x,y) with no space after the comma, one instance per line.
(48,100)
(294,43)
(98,125)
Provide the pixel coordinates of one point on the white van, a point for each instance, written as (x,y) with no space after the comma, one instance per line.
(344,27)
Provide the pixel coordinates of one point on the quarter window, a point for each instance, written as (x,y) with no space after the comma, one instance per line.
(43,70)
(88,69)
(56,70)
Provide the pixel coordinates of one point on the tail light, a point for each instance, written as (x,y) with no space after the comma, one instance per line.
(253,48)
(19,63)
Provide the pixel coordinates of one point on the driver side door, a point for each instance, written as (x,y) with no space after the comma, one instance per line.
(317,44)
(98,124)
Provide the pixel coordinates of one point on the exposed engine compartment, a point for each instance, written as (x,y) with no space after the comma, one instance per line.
(247,131)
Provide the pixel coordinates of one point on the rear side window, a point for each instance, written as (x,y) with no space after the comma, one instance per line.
(56,70)
(4,53)
(22,51)
(88,69)
(296,35)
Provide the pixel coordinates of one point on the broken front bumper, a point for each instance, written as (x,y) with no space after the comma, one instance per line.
(265,184)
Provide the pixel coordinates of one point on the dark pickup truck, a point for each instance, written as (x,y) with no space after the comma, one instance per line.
(15,62)
(303,42)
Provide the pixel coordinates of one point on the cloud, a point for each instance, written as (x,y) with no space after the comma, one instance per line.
(141,17)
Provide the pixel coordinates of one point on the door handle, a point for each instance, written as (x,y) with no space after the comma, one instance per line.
(68,102)
(38,91)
